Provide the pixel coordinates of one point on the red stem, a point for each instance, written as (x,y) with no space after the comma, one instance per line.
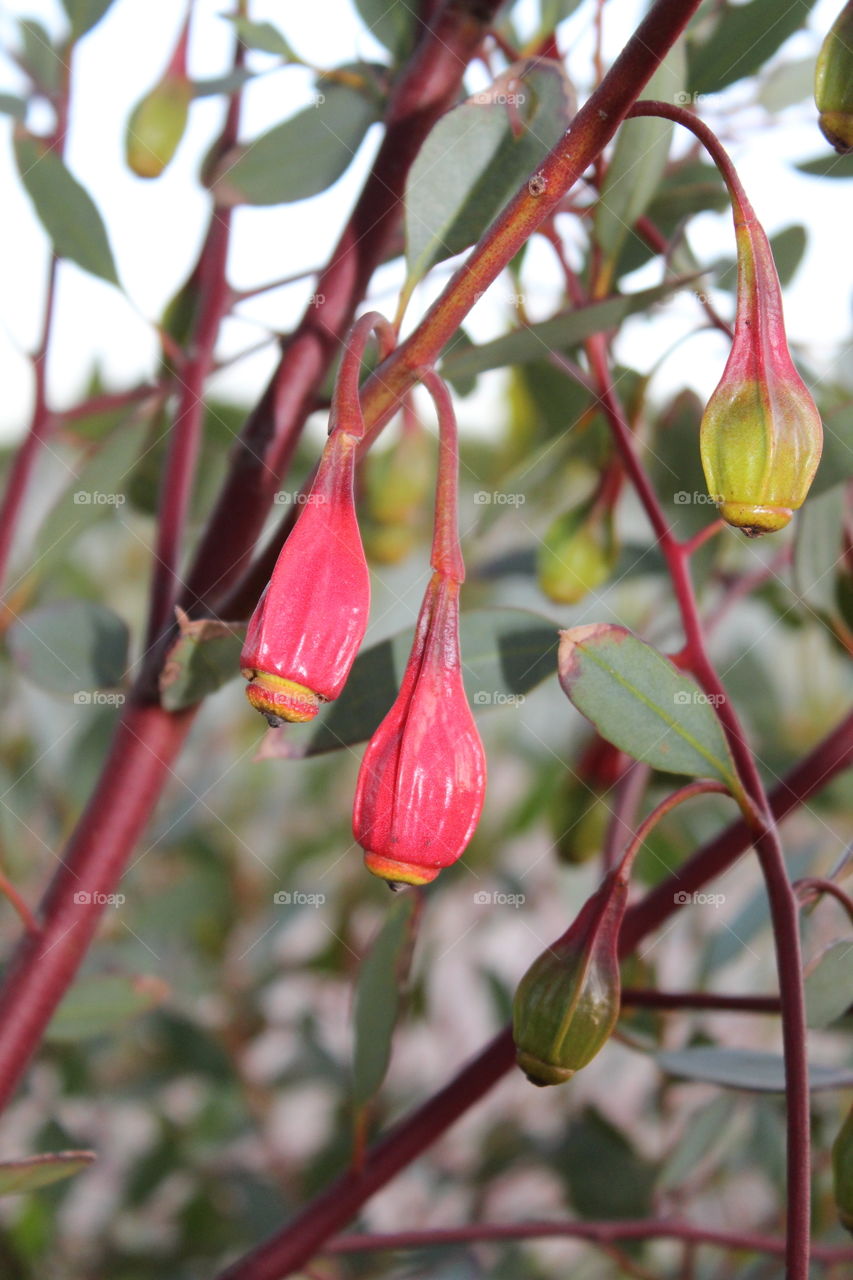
(595,1232)
(446,555)
(649,999)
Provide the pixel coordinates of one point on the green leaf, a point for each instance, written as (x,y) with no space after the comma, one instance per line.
(394,23)
(744,38)
(97,1006)
(639,159)
(71,647)
(472,163)
(817,548)
(230,82)
(65,209)
(85,14)
(262,36)
(689,187)
(831,166)
(787,85)
(562,332)
(12,106)
(744,1069)
(205,657)
(641,703)
(836,461)
(703,1134)
(303,156)
(505,653)
(32,1172)
(606,1176)
(788,247)
(829,985)
(377,997)
(40,57)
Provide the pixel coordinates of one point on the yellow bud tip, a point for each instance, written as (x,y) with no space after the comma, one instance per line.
(542,1073)
(279,699)
(837,128)
(755,520)
(399,872)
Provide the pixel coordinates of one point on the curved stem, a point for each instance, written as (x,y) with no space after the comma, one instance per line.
(446,555)
(346,406)
(704,786)
(814,886)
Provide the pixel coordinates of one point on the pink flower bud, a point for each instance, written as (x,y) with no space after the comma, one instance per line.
(309,623)
(422,781)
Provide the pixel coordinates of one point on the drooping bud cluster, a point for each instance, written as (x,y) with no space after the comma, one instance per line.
(159,120)
(567,1003)
(421,785)
(833,91)
(309,624)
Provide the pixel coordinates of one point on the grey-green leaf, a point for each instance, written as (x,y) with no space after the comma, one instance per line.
(744,1069)
(641,703)
(829,166)
(743,40)
(40,56)
(394,23)
(98,1005)
(32,1172)
(204,657)
(303,156)
(377,998)
(472,163)
(71,647)
(262,36)
(829,986)
(65,209)
(85,14)
(505,653)
(639,158)
(817,548)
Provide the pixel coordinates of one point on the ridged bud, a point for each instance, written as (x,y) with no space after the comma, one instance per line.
(833,92)
(309,623)
(761,433)
(577,554)
(422,781)
(842,1172)
(157,125)
(567,1003)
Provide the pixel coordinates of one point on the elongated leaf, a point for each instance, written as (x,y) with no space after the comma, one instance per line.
(744,1069)
(32,1172)
(790,83)
(65,209)
(831,166)
(473,162)
(262,36)
(96,1006)
(689,187)
(561,333)
(505,653)
(745,37)
(206,656)
(71,647)
(85,14)
(377,998)
(393,23)
(639,159)
(304,155)
(40,56)
(641,703)
(704,1133)
(829,986)
(12,106)
(817,548)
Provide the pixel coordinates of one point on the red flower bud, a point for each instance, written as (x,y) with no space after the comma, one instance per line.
(422,781)
(309,623)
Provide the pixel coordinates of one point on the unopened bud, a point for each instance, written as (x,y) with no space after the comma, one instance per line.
(156,127)
(833,92)
(567,1003)
(577,554)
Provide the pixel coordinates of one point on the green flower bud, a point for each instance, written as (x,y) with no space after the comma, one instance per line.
(398,481)
(833,85)
(577,554)
(842,1172)
(156,126)
(568,1001)
(761,434)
